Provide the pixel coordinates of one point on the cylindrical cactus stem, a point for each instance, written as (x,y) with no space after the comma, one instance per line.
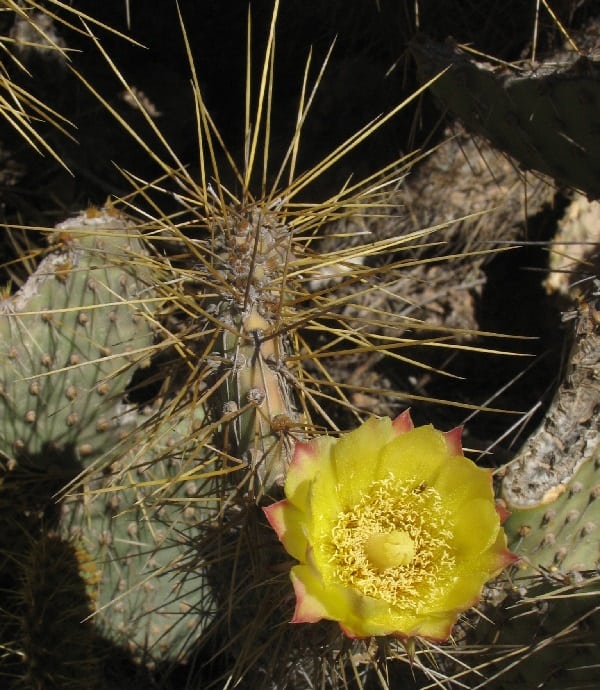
(261,398)
(254,398)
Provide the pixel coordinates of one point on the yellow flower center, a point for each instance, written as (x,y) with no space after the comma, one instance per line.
(390,549)
(394,544)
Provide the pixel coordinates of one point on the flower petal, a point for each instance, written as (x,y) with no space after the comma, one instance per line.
(403,422)
(309,459)
(287,522)
(454,440)
(377,618)
(359,616)
(356,456)
(369,617)
(460,481)
(435,628)
(476,530)
(417,455)
(498,557)
(314,600)
(310,603)
(460,595)
(325,508)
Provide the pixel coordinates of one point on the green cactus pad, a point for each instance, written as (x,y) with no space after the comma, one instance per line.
(563,533)
(140,522)
(545,118)
(71,338)
(543,617)
(545,632)
(552,488)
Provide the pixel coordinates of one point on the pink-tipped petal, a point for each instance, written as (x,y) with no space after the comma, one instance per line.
(403,422)
(304,457)
(306,462)
(275,515)
(506,558)
(436,631)
(454,440)
(287,522)
(503,511)
(309,606)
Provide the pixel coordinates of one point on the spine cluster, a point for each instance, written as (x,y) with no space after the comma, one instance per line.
(254,396)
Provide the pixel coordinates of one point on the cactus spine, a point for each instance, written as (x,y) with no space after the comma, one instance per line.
(252,253)
(179,556)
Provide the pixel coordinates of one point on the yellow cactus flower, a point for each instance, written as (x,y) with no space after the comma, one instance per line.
(395,531)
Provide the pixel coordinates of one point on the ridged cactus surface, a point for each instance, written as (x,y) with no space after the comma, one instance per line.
(253,251)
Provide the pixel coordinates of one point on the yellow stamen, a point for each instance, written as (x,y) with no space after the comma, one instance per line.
(392,545)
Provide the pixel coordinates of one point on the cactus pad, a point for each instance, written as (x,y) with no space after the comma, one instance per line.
(552,488)
(562,534)
(546,118)
(70,339)
(138,522)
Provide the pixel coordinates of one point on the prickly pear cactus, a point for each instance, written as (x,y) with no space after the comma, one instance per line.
(71,338)
(175,550)
(545,117)
(138,523)
(562,533)
(547,630)
(552,488)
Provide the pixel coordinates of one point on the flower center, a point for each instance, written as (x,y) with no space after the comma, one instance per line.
(391,549)
(394,544)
